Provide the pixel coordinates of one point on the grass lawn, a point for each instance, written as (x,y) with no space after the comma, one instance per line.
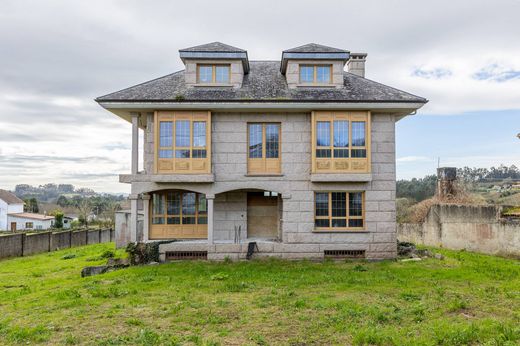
(464,299)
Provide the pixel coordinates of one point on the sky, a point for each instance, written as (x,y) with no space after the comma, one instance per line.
(57,56)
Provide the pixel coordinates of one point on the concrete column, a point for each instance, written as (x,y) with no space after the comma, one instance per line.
(146,221)
(133,217)
(211,200)
(135,141)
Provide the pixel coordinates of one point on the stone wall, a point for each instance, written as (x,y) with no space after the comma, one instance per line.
(474,228)
(293,71)
(229,165)
(237,71)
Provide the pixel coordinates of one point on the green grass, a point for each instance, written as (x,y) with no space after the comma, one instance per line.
(465,299)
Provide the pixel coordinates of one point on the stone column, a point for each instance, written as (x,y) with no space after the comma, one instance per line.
(146,218)
(211,200)
(283,226)
(133,217)
(135,141)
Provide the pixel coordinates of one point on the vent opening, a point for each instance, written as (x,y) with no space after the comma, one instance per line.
(344,254)
(186,255)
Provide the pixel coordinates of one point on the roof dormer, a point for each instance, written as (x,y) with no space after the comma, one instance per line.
(214,65)
(314,65)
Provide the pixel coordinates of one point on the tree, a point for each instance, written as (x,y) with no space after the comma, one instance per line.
(58,218)
(85,208)
(62,201)
(31,205)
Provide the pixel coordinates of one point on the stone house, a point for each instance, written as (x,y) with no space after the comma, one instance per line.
(296,155)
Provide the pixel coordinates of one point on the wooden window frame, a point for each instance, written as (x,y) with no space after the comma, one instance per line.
(347,217)
(264,165)
(315,74)
(339,164)
(177,231)
(175,165)
(213,73)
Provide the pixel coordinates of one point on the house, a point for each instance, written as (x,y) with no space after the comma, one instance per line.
(29,221)
(295,155)
(9,203)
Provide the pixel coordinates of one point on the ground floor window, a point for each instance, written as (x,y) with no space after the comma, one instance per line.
(339,210)
(29,225)
(179,208)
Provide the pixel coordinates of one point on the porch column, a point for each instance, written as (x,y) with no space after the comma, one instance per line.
(210,199)
(146,214)
(135,141)
(133,217)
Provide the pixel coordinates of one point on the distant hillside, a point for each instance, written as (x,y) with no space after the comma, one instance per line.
(50,193)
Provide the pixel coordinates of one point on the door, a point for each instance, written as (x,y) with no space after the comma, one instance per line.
(262,216)
(13,226)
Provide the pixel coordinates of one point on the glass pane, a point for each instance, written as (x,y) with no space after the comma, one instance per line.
(271,140)
(182,154)
(323,74)
(341,153)
(199,153)
(173,203)
(321,223)
(222,74)
(182,133)
(188,220)
(158,220)
(165,154)
(188,203)
(339,222)
(341,133)
(157,204)
(255,141)
(322,204)
(165,134)
(322,152)
(339,203)
(306,74)
(323,133)
(203,204)
(355,223)
(358,133)
(359,153)
(199,133)
(355,204)
(203,220)
(205,74)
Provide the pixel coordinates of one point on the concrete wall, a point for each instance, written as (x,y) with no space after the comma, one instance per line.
(122,227)
(229,165)
(475,228)
(6,209)
(21,244)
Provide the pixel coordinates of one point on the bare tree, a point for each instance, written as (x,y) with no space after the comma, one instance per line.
(85,209)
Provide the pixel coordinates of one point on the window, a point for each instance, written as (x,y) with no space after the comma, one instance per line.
(183,144)
(263,148)
(339,210)
(178,214)
(341,142)
(319,74)
(208,74)
(29,225)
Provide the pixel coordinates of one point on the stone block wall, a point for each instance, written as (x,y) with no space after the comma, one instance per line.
(237,71)
(293,71)
(230,212)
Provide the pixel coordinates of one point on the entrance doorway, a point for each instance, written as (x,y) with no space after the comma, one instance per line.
(262,215)
(13,226)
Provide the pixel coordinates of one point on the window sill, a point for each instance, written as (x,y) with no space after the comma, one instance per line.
(340,231)
(264,175)
(204,85)
(341,177)
(168,178)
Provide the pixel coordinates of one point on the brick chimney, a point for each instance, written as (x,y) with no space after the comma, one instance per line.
(356,64)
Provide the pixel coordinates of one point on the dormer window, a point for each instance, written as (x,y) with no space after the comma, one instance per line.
(213,74)
(317,74)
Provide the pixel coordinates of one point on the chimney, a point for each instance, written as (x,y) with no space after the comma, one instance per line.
(446,177)
(356,64)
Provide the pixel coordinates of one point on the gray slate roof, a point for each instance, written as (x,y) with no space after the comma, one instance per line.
(264,83)
(315,48)
(9,197)
(213,47)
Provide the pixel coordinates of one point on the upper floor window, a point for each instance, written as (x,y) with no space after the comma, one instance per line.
(183,142)
(263,148)
(208,74)
(341,142)
(319,74)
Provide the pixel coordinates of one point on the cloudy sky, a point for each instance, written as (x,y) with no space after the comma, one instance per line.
(57,56)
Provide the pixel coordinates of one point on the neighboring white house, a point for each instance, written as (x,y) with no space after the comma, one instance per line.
(19,221)
(9,203)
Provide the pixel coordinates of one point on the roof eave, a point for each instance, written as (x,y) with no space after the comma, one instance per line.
(242,56)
